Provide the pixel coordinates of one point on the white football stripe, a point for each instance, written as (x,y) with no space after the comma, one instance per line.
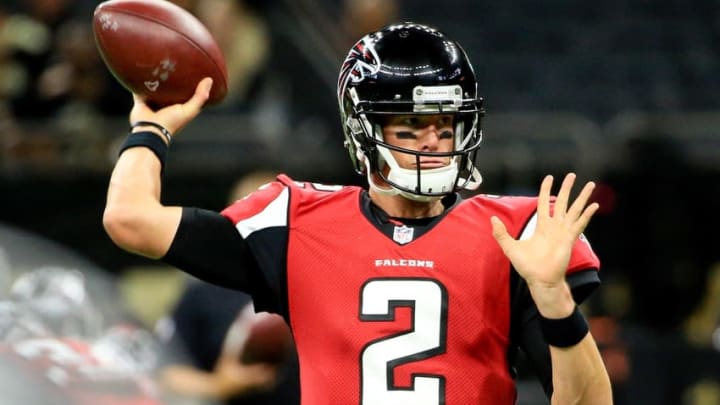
(275,214)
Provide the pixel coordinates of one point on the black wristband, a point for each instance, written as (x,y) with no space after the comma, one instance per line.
(148,140)
(564,332)
(162,129)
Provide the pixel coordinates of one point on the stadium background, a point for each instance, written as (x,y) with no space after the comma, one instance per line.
(625,92)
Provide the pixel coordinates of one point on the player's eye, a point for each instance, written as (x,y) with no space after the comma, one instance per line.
(444,121)
(405,135)
(445,135)
(410,121)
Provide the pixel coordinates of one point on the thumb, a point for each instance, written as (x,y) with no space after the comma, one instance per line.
(500,232)
(201,96)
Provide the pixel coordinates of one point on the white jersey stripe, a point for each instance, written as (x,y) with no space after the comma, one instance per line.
(275,214)
(529,228)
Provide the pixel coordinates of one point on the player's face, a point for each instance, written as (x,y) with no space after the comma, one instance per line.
(423,133)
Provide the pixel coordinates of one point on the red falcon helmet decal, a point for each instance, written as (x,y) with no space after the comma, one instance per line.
(362,61)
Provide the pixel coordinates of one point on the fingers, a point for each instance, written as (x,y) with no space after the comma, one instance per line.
(584,219)
(543,208)
(577,212)
(561,201)
(581,201)
(582,212)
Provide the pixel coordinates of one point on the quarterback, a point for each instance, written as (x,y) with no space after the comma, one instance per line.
(401,292)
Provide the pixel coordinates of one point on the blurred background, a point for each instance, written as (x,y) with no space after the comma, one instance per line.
(624,92)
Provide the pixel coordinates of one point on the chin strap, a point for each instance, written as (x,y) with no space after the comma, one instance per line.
(473,181)
(373,185)
(391,191)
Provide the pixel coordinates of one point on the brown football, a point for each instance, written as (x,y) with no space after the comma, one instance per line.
(159,50)
(269,340)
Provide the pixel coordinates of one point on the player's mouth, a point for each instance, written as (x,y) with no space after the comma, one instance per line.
(432,164)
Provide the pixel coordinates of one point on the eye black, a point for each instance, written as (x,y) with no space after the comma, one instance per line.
(405,135)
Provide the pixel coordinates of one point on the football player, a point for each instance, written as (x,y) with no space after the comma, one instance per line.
(401,293)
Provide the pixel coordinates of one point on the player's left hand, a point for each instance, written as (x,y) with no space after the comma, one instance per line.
(542,258)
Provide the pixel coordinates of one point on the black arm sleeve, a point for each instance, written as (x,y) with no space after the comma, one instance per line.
(208,246)
(525,327)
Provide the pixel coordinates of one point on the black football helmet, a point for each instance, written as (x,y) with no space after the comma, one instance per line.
(410,68)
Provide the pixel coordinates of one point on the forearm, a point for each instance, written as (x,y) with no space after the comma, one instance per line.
(136,177)
(134,217)
(579,375)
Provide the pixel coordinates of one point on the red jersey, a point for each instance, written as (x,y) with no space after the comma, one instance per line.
(393,317)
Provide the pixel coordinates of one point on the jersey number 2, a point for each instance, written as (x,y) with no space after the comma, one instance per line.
(428,302)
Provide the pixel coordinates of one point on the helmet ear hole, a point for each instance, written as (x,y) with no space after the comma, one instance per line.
(360,155)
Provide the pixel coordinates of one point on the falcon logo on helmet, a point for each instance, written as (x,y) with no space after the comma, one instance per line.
(362,61)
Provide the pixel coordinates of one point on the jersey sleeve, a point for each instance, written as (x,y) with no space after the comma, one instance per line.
(207,246)
(243,247)
(263,209)
(262,220)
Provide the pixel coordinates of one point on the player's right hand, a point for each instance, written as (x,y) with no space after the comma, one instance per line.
(174,117)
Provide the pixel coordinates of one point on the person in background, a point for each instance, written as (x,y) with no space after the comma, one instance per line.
(56,349)
(358,17)
(232,22)
(402,292)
